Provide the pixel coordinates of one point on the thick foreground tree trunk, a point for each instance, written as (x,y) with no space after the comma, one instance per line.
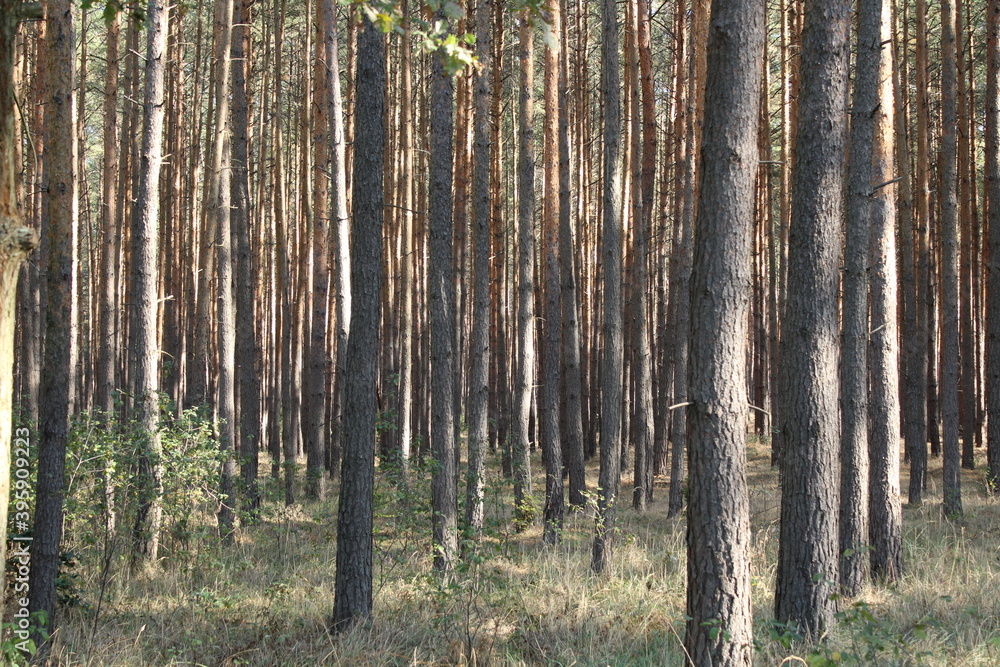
(719,628)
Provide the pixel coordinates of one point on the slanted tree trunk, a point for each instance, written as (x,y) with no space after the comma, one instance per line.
(353,592)
(719,622)
(613,353)
(810,433)
(60,354)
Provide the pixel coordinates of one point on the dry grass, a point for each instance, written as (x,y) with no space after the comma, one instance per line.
(264,599)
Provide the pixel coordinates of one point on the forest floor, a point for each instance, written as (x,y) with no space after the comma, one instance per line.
(264,599)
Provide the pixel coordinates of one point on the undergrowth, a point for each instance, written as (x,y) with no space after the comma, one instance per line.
(265,598)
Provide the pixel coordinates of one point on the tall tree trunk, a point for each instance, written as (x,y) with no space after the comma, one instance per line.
(992,383)
(247,353)
(106,376)
(719,628)
(952,506)
(353,592)
(810,433)
(219,211)
(479,342)
(886,514)
(859,216)
(684,243)
(916,345)
(613,353)
(60,353)
(314,421)
(407,285)
(525,361)
(442,320)
(16,240)
(571,426)
(341,239)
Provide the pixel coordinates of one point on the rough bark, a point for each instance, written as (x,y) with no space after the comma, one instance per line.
(641,350)
(219,212)
(719,628)
(60,353)
(952,506)
(613,353)
(992,383)
(525,363)
(353,592)
(479,341)
(440,279)
(552,325)
(810,433)
(886,524)
(247,351)
(858,214)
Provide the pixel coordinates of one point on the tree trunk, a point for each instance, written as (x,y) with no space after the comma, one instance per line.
(219,211)
(247,352)
(442,320)
(859,216)
(719,628)
(525,362)
(810,433)
(60,353)
(16,241)
(353,593)
(552,342)
(992,383)
(886,523)
(479,342)
(613,353)
(952,506)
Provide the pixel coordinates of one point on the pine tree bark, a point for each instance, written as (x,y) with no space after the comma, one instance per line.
(219,210)
(719,628)
(60,353)
(314,414)
(859,217)
(16,241)
(917,367)
(552,325)
(571,425)
(613,354)
(525,362)
(810,433)
(353,593)
(440,279)
(247,352)
(479,342)
(992,383)
(641,349)
(952,506)
(886,523)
